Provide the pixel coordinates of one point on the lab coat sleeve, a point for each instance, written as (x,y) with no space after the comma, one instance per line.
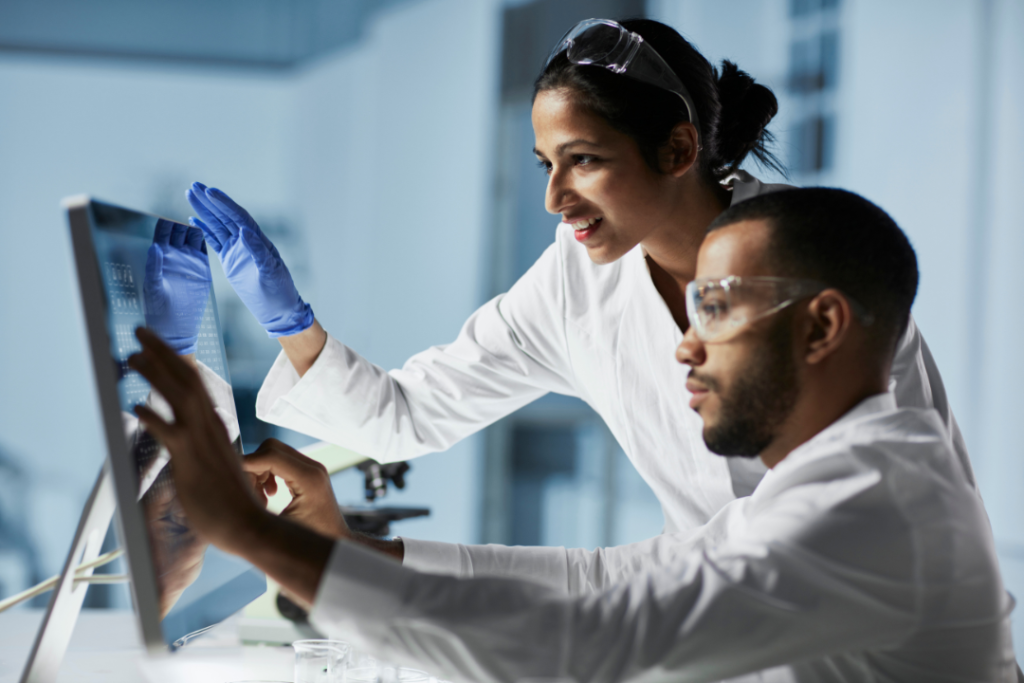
(222,397)
(916,383)
(570,571)
(746,606)
(510,352)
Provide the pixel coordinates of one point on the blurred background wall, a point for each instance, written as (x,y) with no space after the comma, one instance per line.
(385,147)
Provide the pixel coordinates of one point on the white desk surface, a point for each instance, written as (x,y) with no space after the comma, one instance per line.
(105,648)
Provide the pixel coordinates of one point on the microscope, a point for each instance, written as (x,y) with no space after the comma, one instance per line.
(373,520)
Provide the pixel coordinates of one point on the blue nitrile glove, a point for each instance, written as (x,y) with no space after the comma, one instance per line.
(177,285)
(251,262)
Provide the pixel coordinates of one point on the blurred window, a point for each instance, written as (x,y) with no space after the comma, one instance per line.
(812,81)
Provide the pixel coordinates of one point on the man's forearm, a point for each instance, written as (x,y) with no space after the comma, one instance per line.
(296,556)
(291,554)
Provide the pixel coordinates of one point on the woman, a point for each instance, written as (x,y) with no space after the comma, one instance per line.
(640,160)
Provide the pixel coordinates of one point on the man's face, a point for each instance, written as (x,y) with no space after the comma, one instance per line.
(744,387)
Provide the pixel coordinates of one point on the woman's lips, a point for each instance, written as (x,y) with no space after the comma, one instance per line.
(585,233)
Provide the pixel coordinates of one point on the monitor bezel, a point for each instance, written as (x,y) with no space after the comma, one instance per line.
(131,525)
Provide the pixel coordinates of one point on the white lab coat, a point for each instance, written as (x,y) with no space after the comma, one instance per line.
(865,555)
(599,332)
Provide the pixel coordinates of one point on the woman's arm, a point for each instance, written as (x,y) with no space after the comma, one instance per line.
(304,348)
(510,352)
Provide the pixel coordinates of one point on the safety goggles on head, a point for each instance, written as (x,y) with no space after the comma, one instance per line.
(603,42)
(718,307)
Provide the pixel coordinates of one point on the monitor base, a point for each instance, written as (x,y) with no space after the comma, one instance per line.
(66,602)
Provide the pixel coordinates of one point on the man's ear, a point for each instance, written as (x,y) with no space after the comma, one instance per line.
(679,154)
(829,317)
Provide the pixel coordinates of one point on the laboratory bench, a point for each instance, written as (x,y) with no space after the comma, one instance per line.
(106,648)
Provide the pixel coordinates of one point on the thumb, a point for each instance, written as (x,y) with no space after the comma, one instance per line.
(261,255)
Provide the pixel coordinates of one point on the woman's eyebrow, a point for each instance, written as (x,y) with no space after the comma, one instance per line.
(560,150)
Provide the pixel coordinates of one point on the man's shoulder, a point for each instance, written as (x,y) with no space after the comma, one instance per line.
(899,424)
(880,441)
(890,468)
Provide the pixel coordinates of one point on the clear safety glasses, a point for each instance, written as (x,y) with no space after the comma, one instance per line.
(719,307)
(603,42)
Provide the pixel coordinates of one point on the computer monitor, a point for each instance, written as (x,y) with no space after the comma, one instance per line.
(137,269)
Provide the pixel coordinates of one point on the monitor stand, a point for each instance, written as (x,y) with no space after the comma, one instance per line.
(66,602)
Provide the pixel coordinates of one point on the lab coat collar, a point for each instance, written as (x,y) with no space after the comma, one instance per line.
(805,452)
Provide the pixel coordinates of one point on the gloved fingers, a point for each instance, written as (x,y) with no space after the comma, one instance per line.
(264,259)
(222,217)
(194,238)
(209,214)
(229,208)
(154,267)
(178,235)
(162,232)
(211,237)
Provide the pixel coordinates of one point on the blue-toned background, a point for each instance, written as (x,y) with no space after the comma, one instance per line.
(385,148)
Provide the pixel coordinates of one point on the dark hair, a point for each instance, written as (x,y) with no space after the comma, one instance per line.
(733,110)
(843,241)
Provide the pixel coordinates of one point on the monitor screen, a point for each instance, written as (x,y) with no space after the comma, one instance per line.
(156,272)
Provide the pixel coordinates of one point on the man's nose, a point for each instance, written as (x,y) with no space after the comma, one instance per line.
(560,194)
(691,350)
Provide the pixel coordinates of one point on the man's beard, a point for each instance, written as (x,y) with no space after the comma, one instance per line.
(760,400)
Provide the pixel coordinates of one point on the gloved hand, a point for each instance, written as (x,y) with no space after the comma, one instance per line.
(251,262)
(177,284)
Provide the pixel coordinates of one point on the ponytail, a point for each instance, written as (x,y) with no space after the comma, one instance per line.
(746,109)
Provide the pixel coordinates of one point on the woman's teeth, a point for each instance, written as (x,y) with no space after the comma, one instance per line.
(584,224)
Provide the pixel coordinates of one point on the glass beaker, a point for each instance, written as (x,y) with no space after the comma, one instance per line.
(364,668)
(320,661)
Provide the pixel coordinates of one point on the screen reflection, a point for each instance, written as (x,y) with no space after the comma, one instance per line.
(156,273)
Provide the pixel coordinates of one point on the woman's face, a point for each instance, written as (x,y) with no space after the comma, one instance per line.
(597,179)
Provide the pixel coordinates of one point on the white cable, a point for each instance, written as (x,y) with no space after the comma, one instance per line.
(102,578)
(51,582)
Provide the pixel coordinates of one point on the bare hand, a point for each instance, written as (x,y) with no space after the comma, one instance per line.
(216,495)
(313,504)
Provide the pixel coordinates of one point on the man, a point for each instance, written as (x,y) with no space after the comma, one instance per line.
(864,554)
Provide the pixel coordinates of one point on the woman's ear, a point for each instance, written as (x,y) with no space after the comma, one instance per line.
(679,154)
(829,317)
